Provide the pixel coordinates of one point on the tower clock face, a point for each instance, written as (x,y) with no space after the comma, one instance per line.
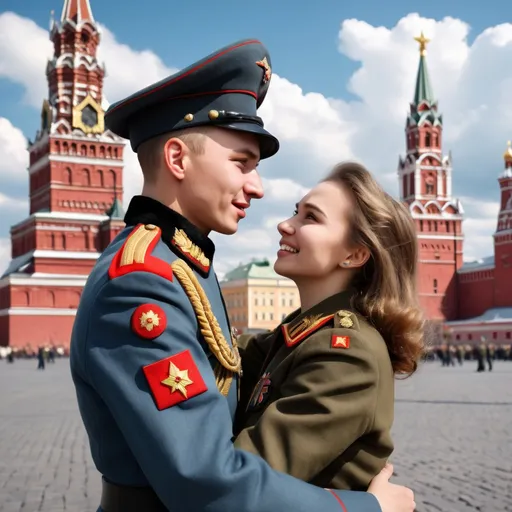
(89,116)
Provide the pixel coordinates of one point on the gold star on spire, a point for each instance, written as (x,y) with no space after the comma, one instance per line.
(423,43)
(178,380)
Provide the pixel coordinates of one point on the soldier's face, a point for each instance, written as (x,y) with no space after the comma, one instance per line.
(315,241)
(221,181)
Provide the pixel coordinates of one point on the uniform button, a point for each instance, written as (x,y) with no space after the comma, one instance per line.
(150,227)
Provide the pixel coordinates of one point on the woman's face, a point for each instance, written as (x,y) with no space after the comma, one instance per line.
(316,242)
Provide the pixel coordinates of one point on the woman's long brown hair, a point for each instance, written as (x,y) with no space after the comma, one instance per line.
(386,286)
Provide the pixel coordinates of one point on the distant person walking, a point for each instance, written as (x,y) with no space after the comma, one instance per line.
(40,359)
(479,353)
(489,355)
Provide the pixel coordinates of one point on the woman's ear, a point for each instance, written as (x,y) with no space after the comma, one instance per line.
(357,258)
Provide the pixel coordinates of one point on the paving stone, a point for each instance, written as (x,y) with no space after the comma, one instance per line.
(452,435)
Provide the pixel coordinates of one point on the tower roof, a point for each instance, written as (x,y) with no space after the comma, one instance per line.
(507,156)
(116,211)
(255,269)
(77,11)
(423,91)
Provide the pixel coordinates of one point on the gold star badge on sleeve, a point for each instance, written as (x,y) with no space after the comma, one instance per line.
(177,380)
(174,379)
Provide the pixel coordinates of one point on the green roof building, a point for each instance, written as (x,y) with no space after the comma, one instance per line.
(257,298)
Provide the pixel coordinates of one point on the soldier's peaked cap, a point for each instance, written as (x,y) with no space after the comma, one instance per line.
(224,89)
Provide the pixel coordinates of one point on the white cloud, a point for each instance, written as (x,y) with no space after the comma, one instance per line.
(132,175)
(13,153)
(24,50)
(128,70)
(309,120)
(472,84)
(479,209)
(283,189)
(248,243)
(5,254)
(11,203)
(479,225)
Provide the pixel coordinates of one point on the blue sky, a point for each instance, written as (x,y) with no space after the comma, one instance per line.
(343,76)
(303,40)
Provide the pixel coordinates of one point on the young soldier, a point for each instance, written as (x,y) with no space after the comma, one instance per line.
(155,368)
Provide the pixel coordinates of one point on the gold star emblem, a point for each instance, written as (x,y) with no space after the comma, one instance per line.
(178,380)
(265,65)
(342,341)
(423,43)
(149,320)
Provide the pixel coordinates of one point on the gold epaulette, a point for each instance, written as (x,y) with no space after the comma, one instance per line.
(135,254)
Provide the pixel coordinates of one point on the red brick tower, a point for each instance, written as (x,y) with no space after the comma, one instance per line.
(425,177)
(76,186)
(503,238)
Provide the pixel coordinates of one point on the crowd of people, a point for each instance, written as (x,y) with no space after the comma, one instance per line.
(44,354)
(452,355)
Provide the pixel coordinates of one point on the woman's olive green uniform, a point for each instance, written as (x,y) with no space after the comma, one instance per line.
(317,396)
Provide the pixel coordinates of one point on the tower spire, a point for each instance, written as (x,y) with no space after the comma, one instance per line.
(507,156)
(77,11)
(423,91)
(425,177)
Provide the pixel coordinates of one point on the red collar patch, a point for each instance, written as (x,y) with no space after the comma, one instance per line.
(295,332)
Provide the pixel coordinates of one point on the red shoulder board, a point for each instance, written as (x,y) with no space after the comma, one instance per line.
(135,254)
(174,379)
(296,331)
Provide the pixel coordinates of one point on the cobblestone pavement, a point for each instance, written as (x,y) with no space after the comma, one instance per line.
(453,436)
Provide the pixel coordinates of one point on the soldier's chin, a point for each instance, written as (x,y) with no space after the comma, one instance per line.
(226,228)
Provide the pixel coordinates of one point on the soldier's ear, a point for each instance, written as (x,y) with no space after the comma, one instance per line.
(175,155)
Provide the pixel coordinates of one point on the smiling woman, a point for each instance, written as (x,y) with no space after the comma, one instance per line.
(317,394)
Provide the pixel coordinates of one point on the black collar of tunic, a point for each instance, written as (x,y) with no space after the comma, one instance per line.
(145,210)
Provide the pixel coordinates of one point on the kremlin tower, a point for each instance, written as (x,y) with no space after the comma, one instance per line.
(472,300)
(425,181)
(75,184)
(503,237)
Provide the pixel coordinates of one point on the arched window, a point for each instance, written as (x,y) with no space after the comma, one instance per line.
(68,177)
(86,177)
